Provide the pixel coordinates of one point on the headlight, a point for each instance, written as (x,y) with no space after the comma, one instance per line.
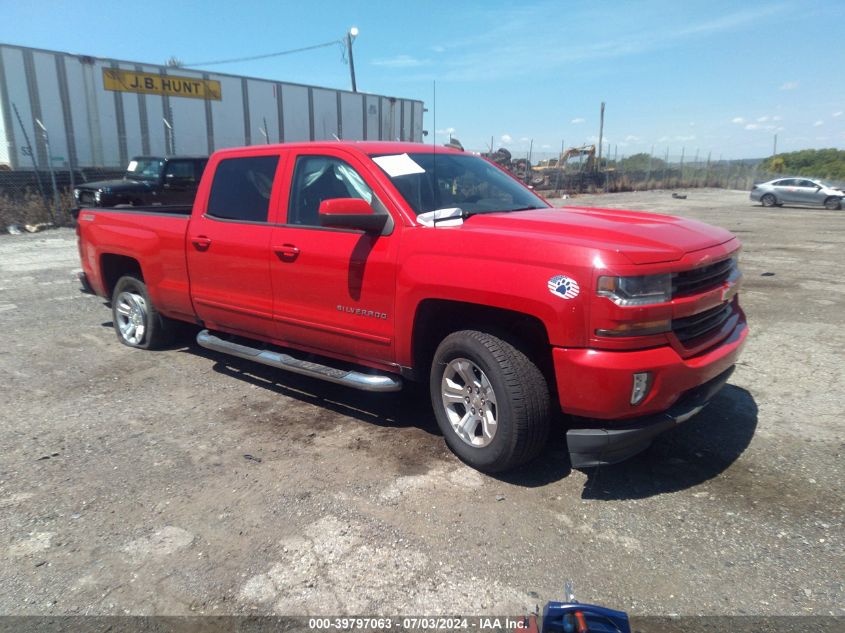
(636,291)
(76,194)
(97,196)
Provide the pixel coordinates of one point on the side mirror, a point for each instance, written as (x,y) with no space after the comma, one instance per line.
(351,213)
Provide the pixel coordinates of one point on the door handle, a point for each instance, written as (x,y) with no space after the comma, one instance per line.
(287,252)
(201,242)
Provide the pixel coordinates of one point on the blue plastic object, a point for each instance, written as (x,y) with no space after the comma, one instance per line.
(573,617)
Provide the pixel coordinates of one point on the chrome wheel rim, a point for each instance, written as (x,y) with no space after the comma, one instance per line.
(469,402)
(131,314)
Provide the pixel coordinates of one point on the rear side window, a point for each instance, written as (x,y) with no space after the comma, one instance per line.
(241,188)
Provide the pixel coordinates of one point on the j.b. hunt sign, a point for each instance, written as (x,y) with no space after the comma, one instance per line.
(170,85)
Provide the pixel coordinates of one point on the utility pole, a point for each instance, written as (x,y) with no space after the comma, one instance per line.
(46,137)
(775,148)
(601,134)
(351,34)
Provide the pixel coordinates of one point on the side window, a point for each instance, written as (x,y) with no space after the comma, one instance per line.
(241,188)
(807,183)
(789,182)
(318,178)
(181,171)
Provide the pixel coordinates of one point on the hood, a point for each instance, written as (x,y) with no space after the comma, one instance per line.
(116,185)
(643,238)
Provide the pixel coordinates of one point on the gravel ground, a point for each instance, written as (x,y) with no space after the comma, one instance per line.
(183,481)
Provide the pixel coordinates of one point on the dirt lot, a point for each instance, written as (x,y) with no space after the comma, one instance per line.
(125,486)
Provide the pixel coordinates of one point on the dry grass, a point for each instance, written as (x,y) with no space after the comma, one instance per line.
(30,208)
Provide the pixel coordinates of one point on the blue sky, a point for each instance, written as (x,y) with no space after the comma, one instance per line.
(720,77)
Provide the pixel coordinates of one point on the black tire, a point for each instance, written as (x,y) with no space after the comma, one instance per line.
(521,395)
(158,330)
(833,203)
(768,200)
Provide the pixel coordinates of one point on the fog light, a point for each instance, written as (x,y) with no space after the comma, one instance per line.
(642,383)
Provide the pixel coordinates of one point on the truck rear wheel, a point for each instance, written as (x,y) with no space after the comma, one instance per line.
(136,321)
(491,401)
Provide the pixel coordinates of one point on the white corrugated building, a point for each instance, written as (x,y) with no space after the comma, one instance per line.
(100,112)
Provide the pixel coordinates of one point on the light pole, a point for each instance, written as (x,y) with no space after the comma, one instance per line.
(350,36)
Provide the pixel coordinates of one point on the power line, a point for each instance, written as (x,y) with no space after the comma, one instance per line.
(265,56)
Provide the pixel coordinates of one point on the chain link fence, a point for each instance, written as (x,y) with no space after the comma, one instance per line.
(29,198)
(639,172)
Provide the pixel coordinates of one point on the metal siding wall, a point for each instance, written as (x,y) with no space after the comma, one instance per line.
(389,119)
(107,118)
(18,96)
(5,142)
(325,114)
(105,126)
(262,105)
(155,126)
(188,119)
(51,107)
(78,111)
(418,122)
(352,115)
(228,114)
(132,120)
(372,118)
(407,114)
(295,100)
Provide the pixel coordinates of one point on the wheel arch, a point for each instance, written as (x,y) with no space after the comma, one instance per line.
(435,319)
(113,267)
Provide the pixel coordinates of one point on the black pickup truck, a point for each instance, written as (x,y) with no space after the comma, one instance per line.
(149,180)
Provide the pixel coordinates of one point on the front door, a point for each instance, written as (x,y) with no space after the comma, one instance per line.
(333,288)
(228,247)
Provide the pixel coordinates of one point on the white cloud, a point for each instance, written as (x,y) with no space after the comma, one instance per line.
(737,119)
(837,114)
(790,85)
(689,137)
(438,49)
(400,61)
(545,146)
(449,131)
(762,119)
(777,117)
(577,120)
(524,139)
(632,139)
(818,123)
(758,126)
(506,138)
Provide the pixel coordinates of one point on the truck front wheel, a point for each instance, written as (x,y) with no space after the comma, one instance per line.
(491,401)
(136,321)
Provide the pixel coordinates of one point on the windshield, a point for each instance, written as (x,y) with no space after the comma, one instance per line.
(430,181)
(144,168)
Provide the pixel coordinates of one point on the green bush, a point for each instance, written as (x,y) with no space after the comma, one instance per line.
(815,163)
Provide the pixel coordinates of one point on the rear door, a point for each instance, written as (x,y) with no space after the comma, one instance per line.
(179,182)
(228,244)
(334,288)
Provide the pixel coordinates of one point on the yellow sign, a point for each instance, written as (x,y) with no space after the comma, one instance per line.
(170,85)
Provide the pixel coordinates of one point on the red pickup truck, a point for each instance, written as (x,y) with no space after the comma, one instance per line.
(369,264)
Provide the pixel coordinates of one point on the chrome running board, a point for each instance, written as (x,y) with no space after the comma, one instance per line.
(347,377)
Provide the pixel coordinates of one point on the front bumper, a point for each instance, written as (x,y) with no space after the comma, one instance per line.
(597,447)
(593,383)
